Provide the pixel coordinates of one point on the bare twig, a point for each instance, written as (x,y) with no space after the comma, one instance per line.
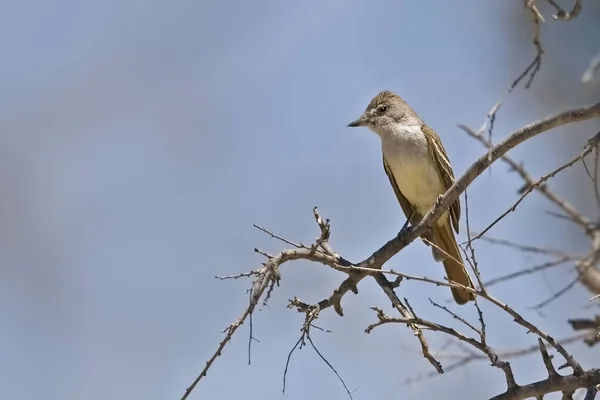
(472,260)
(528,271)
(529,249)
(586,151)
(564,15)
(591,326)
(590,75)
(554,383)
(536,64)
(581,323)
(591,393)
(530,70)
(547,359)
(555,295)
(311,314)
(268,232)
(456,316)
(237,276)
(330,366)
(538,389)
(471,356)
(594,176)
(567,208)
(493,357)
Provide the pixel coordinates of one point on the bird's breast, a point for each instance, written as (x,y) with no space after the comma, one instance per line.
(414,170)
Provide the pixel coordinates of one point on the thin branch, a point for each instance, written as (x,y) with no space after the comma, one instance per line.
(456,316)
(590,75)
(549,385)
(549,195)
(330,367)
(287,362)
(556,295)
(577,370)
(530,249)
(594,177)
(470,356)
(530,70)
(540,182)
(547,359)
(493,357)
(536,64)
(238,276)
(564,15)
(591,393)
(310,316)
(528,271)
(273,235)
(473,260)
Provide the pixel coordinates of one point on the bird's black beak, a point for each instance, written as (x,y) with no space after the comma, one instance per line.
(359,122)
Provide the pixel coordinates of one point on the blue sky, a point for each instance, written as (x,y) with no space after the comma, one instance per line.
(140,140)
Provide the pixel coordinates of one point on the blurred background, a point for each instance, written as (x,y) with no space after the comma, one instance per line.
(140,140)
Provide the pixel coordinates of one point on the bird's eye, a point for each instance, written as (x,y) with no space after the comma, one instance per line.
(382,109)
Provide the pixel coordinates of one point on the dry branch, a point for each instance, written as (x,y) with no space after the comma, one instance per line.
(320,251)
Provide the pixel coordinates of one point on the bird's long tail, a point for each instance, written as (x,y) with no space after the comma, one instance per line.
(443,237)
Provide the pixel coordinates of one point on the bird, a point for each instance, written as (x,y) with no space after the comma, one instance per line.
(419,171)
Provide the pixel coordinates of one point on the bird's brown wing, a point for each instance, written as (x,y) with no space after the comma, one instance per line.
(407,207)
(440,157)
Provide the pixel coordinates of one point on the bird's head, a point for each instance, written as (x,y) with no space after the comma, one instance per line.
(385,111)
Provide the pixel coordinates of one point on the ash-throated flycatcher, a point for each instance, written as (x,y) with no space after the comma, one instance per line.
(418,168)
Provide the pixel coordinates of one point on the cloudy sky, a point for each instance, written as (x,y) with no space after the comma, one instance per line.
(140,140)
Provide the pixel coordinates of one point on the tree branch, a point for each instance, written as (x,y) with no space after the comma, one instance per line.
(320,251)
(559,383)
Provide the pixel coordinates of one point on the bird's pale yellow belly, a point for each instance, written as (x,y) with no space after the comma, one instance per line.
(417,179)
